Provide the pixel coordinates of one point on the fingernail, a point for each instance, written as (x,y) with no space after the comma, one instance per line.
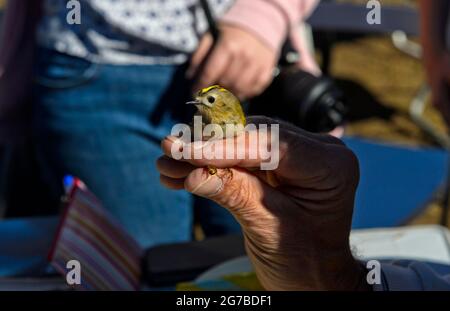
(209,185)
(197,145)
(177,143)
(175,140)
(171,138)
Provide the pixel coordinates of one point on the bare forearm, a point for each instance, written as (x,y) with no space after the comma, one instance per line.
(433,25)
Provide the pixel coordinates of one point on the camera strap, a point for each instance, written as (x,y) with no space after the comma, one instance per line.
(213,29)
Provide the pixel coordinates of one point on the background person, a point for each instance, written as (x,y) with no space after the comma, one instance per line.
(107,90)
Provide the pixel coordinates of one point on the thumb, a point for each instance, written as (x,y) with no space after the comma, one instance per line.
(235,189)
(199,55)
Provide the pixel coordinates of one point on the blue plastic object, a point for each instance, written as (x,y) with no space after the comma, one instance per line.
(24,245)
(396,182)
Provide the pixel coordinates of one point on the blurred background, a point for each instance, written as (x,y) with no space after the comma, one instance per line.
(399,138)
(379,81)
(391,79)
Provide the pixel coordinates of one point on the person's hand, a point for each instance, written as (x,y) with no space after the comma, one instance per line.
(295,219)
(438,72)
(240,62)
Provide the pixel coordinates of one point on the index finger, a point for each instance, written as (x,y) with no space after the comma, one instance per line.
(199,55)
(291,154)
(221,153)
(214,67)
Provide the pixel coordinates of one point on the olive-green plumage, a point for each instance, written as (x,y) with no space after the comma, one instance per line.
(219,106)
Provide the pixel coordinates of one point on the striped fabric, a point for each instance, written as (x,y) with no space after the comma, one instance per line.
(109,258)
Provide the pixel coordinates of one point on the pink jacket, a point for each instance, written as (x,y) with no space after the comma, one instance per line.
(270,20)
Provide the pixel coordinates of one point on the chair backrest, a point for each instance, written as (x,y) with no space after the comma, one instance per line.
(396,182)
(347,17)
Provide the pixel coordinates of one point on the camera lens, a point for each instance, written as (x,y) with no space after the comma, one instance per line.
(310,102)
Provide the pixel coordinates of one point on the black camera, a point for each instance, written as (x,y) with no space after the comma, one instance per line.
(313,103)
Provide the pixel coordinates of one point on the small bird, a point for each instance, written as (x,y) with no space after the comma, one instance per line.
(217,105)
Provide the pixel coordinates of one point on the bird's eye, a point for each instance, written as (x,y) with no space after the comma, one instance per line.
(211,99)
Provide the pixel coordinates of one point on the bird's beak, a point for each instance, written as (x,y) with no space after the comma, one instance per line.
(194,102)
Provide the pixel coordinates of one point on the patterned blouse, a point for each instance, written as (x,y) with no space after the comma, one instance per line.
(127,31)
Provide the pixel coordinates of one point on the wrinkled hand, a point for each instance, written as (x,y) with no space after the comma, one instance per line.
(438,72)
(240,62)
(297,232)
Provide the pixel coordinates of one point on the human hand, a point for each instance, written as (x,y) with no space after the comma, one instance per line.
(240,62)
(297,229)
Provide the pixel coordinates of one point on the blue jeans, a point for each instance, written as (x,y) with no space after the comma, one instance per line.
(104,123)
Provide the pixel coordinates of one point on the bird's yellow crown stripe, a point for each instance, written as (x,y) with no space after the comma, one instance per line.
(209,88)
